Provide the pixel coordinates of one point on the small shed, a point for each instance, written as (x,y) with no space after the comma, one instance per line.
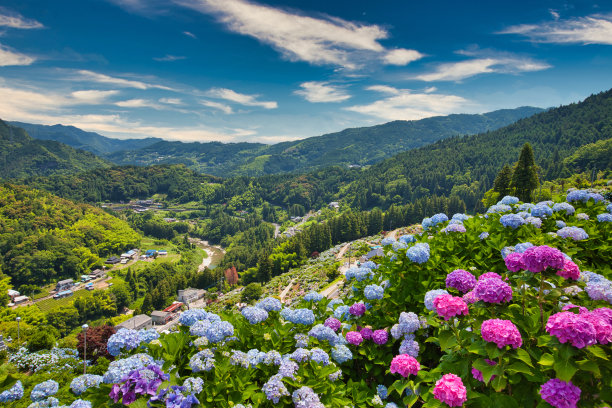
(64,285)
(137,322)
(159,317)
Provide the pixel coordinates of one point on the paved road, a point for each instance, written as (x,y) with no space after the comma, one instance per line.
(286,290)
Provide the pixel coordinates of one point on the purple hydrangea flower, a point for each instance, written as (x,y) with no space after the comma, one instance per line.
(539,258)
(493,290)
(380,337)
(560,394)
(461,280)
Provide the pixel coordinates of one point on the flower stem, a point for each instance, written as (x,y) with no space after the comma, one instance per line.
(540,299)
(452,326)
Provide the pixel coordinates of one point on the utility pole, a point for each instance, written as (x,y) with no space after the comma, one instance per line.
(85,327)
(18,332)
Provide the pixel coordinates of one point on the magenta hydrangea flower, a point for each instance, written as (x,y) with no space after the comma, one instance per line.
(570,271)
(461,280)
(333,323)
(514,262)
(501,332)
(572,328)
(604,312)
(570,306)
(450,390)
(358,309)
(470,298)
(603,329)
(493,290)
(489,275)
(477,374)
(404,365)
(539,258)
(366,333)
(560,394)
(448,306)
(380,336)
(354,338)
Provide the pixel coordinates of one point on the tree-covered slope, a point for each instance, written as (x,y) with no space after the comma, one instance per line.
(44,238)
(466,166)
(80,139)
(362,146)
(22,156)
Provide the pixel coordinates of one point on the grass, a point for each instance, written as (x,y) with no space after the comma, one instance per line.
(49,304)
(44,292)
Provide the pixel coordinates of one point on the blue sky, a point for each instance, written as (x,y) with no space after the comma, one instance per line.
(270,71)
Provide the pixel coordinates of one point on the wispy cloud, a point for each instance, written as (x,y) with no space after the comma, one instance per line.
(314,91)
(138,103)
(217,105)
(121,82)
(171,101)
(456,71)
(169,58)
(243,99)
(321,41)
(92,97)
(189,34)
(595,29)
(15,20)
(405,104)
(10,57)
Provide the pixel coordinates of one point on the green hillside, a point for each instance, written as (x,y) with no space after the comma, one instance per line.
(44,238)
(357,146)
(22,156)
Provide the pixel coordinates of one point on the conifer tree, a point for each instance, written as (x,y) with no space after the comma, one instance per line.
(502,181)
(525,177)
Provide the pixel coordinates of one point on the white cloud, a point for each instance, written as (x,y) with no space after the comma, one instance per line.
(92,97)
(106,79)
(10,57)
(138,103)
(456,71)
(14,20)
(217,105)
(595,29)
(243,99)
(320,41)
(171,101)
(169,58)
(192,35)
(402,56)
(314,91)
(404,104)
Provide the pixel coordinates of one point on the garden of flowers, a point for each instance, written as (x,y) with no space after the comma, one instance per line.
(506,309)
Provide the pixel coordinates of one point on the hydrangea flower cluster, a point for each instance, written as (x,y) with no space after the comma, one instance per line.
(501,332)
(568,208)
(128,339)
(575,233)
(340,353)
(175,396)
(573,328)
(604,217)
(461,280)
(493,290)
(570,271)
(509,200)
(454,228)
(419,253)
(408,324)
(431,296)
(477,374)
(202,361)
(407,239)
(404,365)
(560,394)
(583,195)
(541,211)
(539,258)
(380,336)
(313,296)
(357,309)
(514,262)
(373,292)
(324,333)
(12,394)
(298,316)
(189,317)
(359,274)
(194,385)
(354,338)
(43,390)
(333,323)
(121,368)
(254,315)
(270,304)
(55,360)
(560,224)
(499,209)
(483,235)
(305,397)
(84,382)
(450,390)
(275,389)
(448,306)
(511,220)
(144,381)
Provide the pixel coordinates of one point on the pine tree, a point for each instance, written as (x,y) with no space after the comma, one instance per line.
(502,181)
(264,272)
(525,177)
(147,304)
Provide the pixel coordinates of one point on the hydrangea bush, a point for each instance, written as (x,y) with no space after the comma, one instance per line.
(510,310)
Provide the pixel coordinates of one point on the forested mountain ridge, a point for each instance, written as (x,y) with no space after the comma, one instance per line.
(80,139)
(44,238)
(22,156)
(360,146)
(465,167)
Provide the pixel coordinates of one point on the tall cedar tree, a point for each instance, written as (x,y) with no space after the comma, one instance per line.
(525,177)
(502,181)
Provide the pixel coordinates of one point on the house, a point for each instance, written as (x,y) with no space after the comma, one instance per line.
(158,317)
(97,273)
(170,220)
(13,294)
(151,252)
(174,307)
(373,253)
(124,261)
(62,294)
(137,322)
(190,295)
(162,252)
(64,285)
(113,260)
(334,205)
(20,299)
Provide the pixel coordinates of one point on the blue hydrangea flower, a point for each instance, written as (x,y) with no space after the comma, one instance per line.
(483,235)
(439,218)
(399,245)
(410,347)
(382,391)
(45,403)
(499,208)
(454,228)
(600,290)
(609,208)
(202,361)
(560,224)
(84,382)
(334,302)
(525,207)
(372,292)
(305,397)
(582,216)
(254,314)
(80,404)
(369,264)
(218,332)
(191,316)
(275,389)
(270,304)
(407,239)
(193,385)
(460,216)
(541,211)
(522,247)
(509,200)
(121,368)
(313,297)
(605,217)
(342,312)
(12,394)
(431,295)
(43,390)
(322,333)
(535,221)
(387,241)
(427,224)
(319,356)
(568,208)
(575,233)
(298,316)
(419,253)
(341,354)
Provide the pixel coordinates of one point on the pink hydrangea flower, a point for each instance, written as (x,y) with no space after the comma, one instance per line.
(514,262)
(450,390)
(493,290)
(501,332)
(449,306)
(461,280)
(570,306)
(570,271)
(470,298)
(354,338)
(560,394)
(603,329)
(572,328)
(333,323)
(539,258)
(604,312)
(404,365)
(477,374)
(489,275)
